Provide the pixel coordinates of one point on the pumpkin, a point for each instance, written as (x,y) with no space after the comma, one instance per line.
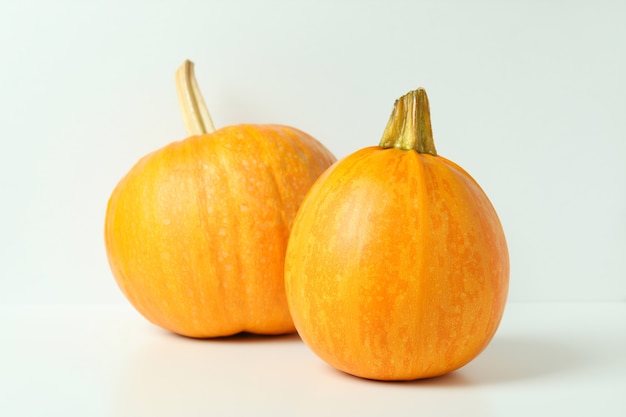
(397,266)
(196,232)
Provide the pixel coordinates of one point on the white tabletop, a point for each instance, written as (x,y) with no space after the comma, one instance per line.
(546,359)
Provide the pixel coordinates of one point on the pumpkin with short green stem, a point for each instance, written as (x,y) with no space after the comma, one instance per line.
(397,267)
(196,232)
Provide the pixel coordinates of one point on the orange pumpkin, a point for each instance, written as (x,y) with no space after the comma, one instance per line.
(196,232)
(397,266)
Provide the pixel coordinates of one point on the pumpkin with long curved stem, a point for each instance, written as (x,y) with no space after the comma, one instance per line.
(397,267)
(196,232)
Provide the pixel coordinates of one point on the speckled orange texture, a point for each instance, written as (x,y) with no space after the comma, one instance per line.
(196,232)
(397,267)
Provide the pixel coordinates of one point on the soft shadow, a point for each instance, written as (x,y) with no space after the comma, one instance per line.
(506,359)
(256,338)
(243,337)
(452,379)
(509,359)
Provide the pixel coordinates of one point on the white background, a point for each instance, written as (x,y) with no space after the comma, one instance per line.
(529,97)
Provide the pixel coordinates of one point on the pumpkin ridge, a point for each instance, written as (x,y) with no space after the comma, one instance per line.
(271,169)
(264,169)
(233,312)
(253,137)
(188,271)
(418,256)
(209,155)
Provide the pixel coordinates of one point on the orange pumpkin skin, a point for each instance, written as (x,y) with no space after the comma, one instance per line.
(196,232)
(397,266)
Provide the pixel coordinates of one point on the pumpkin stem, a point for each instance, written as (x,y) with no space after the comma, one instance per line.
(409,125)
(195,113)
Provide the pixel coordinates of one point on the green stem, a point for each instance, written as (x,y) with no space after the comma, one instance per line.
(409,125)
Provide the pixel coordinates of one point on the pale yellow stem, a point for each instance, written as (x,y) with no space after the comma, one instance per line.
(195,113)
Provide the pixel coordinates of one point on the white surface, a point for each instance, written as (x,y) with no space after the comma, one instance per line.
(546,360)
(527,96)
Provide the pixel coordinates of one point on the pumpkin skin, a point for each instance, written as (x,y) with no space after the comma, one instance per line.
(397,267)
(196,232)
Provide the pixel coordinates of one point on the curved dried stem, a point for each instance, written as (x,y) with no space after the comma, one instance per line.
(195,113)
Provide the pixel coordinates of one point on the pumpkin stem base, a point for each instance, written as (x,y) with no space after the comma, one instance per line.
(409,126)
